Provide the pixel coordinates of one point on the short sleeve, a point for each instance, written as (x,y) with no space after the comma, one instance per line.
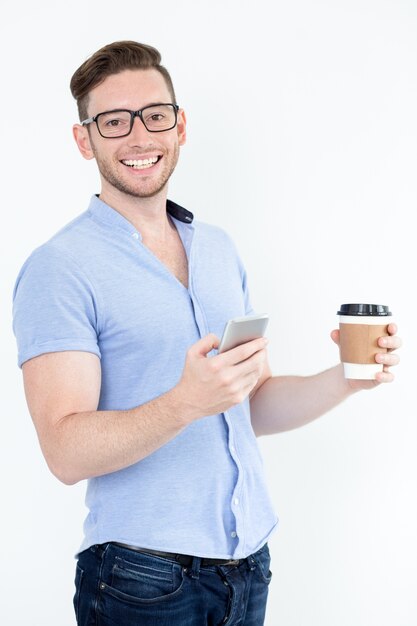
(248,306)
(243,276)
(54,306)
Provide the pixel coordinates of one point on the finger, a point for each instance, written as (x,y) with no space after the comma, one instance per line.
(242,352)
(392,342)
(248,383)
(250,361)
(335,335)
(384,377)
(392,328)
(251,365)
(204,345)
(387,358)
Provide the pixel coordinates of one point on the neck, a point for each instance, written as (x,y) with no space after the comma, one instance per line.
(148,215)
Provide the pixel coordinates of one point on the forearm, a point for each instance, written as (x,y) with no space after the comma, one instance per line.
(288,402)
(93,443)
(78,442)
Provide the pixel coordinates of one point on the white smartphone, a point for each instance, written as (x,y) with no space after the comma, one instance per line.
(242,329)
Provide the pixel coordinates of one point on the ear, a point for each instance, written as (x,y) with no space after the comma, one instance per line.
(181,127)
(82,139)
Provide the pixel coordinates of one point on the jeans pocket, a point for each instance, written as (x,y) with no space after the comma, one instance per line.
(144,581)
(263,562)
(79,575)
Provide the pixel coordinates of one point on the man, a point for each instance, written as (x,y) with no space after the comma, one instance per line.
(116,318)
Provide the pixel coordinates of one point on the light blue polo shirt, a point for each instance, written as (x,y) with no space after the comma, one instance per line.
(95,287)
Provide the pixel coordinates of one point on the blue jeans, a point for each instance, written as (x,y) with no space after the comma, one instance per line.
(116,586)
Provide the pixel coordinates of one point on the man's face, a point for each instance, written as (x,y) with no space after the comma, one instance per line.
(133,90)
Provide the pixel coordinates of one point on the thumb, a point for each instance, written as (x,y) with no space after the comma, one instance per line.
(204,345)
(335,336)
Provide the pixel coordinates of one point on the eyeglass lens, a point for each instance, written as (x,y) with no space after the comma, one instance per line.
(155,118)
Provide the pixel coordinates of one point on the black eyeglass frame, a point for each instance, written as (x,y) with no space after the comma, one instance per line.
(133,114)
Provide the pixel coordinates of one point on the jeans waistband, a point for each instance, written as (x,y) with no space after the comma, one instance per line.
(183,559)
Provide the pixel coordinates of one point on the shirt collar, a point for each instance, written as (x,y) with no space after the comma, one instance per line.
(177,211)
(103,212)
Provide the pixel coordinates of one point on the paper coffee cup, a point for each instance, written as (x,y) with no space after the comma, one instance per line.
(360,327)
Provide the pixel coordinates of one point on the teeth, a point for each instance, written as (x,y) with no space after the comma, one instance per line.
(140,163)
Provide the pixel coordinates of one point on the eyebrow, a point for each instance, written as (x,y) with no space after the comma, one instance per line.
(150,104)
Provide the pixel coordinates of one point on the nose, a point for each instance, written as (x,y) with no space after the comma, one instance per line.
(139,133)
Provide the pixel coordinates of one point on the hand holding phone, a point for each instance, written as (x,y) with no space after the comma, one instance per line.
(241,330)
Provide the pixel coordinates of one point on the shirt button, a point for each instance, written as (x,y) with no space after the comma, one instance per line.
(236,501)
(233,534)
(135,235)
(232,449)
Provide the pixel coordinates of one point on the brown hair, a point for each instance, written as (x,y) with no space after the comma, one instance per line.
(112,59)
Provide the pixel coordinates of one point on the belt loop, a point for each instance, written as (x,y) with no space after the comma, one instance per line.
(251,563)
(195,567)
(99,549)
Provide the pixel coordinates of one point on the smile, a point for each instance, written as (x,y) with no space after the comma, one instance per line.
(141,164)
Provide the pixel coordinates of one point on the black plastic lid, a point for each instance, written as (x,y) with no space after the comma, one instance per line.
(364,309)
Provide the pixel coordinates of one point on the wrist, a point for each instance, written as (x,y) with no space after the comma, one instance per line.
(182,409)
(348,385)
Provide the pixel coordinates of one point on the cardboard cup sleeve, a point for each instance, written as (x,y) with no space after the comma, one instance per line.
(359,342)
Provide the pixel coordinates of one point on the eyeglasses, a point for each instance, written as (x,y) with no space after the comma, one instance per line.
(118,123)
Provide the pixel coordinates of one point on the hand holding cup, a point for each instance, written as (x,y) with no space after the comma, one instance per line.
(366,339)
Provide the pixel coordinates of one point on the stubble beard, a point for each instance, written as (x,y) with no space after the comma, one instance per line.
(143,188)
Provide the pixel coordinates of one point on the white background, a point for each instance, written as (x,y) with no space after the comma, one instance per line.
(303,145)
